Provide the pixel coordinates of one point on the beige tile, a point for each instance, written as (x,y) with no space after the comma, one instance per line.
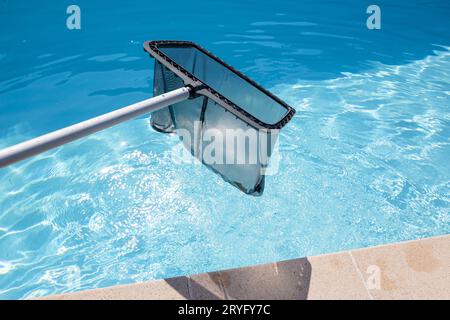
(171,289)
(282,280)
(334,276)
(408,270)
(206,286)
(412,270)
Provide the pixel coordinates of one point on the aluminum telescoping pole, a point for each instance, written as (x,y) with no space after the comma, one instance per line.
(59,137)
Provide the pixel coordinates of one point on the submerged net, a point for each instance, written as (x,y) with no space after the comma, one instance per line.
(231,125)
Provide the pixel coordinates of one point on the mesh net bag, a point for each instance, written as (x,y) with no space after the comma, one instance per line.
(231,124)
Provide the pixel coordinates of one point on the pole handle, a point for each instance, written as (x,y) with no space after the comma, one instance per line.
(60,137)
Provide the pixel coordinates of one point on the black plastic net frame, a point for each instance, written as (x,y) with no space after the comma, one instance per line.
(224,100)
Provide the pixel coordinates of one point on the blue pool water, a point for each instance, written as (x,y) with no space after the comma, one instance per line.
(365,161)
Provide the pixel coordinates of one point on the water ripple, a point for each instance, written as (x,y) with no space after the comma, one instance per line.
(363,162)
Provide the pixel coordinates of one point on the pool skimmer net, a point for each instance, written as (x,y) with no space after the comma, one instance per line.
(223,118)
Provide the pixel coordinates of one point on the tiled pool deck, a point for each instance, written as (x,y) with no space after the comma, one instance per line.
(417,269)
